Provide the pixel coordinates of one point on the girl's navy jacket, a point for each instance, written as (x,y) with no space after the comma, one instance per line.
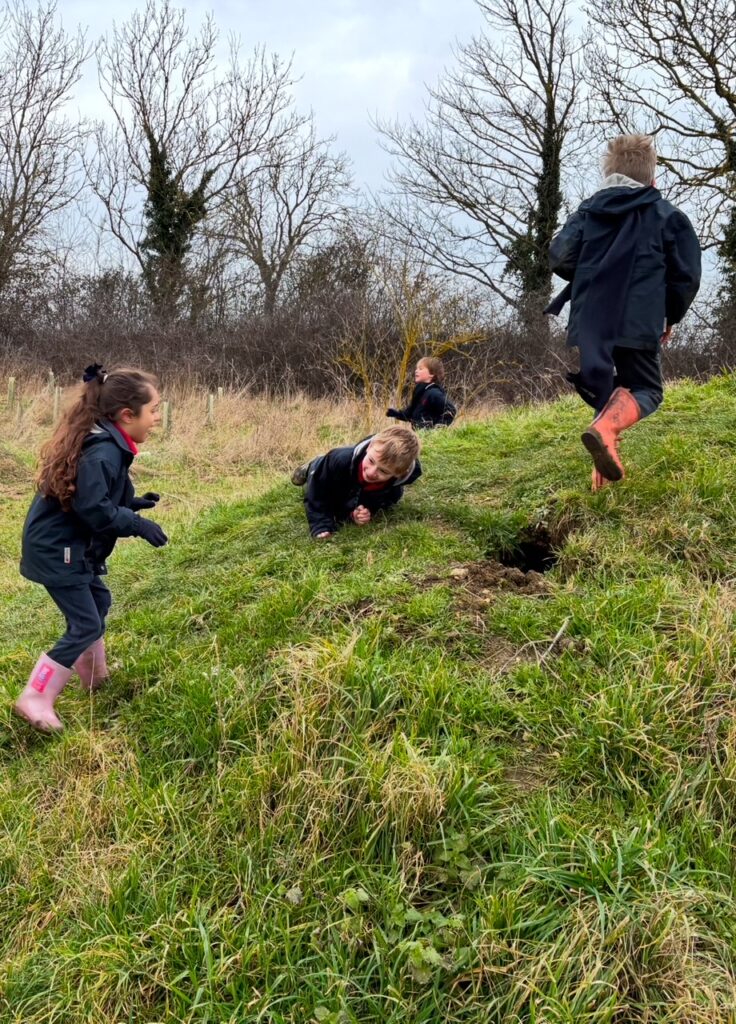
(334,489)
(69,548)
(429,407)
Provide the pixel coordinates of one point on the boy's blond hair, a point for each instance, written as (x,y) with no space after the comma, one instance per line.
(396,449)
(632,155)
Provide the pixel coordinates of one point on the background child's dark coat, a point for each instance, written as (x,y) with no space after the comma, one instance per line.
(429,407)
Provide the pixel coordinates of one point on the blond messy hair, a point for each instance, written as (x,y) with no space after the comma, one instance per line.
(632,155)
(396,449)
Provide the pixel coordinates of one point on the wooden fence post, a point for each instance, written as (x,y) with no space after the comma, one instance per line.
(11,393)
(166,417)
(57,403)
(210,417)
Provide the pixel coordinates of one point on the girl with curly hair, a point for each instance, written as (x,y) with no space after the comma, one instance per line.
(84,502)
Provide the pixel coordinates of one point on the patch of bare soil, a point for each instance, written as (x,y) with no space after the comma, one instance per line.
(478,582)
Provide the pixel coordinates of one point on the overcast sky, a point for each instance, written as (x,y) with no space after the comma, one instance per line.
(357,58)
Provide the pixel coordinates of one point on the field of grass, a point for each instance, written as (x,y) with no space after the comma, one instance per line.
(389,778)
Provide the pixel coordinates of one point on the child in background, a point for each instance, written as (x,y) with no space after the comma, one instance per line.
(85,501)
(351,484)
(633,263)
(429,406)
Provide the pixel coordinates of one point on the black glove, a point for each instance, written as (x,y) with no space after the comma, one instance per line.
(147,500)
(152,532)
(393,413)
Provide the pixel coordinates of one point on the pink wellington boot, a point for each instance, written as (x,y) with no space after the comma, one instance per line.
(91,667)
(36,702)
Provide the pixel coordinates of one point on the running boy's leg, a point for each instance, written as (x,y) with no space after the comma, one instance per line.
(596,372)
(640,372)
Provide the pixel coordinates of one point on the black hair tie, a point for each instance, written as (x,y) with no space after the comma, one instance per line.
(95,371)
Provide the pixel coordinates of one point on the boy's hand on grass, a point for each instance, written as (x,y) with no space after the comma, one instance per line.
(361,515)
(322,536)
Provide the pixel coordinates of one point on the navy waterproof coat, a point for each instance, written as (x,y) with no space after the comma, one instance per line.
(633,260)
(429,407)
(333,488)
(68,548)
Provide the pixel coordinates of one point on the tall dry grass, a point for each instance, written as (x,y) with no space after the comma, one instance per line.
(251,436)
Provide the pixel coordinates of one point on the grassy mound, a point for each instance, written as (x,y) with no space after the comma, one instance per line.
(475,762)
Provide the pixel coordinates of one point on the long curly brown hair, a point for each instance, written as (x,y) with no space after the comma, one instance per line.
(102,398)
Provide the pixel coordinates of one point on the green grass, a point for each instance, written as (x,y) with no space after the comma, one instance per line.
(337,782)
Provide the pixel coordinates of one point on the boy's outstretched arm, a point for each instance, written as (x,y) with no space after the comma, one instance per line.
(317,499)
(564,250)
(683,267)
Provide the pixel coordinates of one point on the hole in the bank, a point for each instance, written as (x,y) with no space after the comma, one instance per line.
(534,551)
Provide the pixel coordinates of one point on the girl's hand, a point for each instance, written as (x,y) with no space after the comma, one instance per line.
(147,500)
(151,532)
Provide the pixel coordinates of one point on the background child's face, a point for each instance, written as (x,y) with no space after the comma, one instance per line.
(422,374)
(373,471)
(140,426)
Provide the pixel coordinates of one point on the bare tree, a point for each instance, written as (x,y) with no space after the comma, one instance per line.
(669,67)
(181,136)
(482,174)
(284,209)
(39,147)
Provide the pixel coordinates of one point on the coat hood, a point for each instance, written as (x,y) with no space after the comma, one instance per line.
(103,432)
(619,200)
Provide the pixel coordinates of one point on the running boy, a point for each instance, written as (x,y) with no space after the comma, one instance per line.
(633,263)
(351,484)
(429,405)
(85,501)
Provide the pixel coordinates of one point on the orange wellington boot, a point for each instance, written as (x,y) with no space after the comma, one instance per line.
(91,667)
(601,438)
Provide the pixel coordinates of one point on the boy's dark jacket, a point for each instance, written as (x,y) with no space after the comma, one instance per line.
(333,489)
(69,548)
(429,406)
(633,260)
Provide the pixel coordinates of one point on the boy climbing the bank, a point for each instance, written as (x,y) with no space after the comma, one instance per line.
(633,263)
(351,484)
(429,406)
